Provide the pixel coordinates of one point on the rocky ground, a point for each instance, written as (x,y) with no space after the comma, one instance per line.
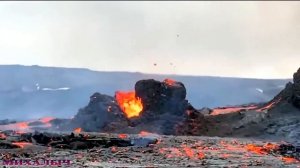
(237,136)
(168,151)
(277,119)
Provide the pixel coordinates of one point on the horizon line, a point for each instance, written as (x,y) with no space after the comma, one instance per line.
(158,74)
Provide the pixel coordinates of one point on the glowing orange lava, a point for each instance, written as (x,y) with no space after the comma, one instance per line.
(129,103)
(262,150)
(77,130)
(266,107)
(289,160)
(269,106)
(22,144)
(183,151)
(22,125)
(188,151)
(171,152)
(270,147)
(122,136)
(201,155)
(46,120)
(226,110)
(169,81)
(256,149)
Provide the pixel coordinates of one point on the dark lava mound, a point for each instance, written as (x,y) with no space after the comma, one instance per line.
(165,111)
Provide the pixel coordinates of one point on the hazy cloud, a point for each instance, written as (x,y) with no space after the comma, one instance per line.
(246,39)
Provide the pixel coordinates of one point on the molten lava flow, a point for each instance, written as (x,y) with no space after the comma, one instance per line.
(270,147)
(267,148)
(188,151)
(122,136)
(77,130)
(46,120)
(19,127)
(266,107)
(22,125)
(226,110)
(201,155)
(183,151)
(171,152)
(22,144)
(170,82)
(129,103)
(269,106)
(255,149)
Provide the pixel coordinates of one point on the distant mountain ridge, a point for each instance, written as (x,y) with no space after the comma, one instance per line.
(35,91)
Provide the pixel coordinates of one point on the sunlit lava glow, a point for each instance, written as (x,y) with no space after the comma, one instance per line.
(130,104)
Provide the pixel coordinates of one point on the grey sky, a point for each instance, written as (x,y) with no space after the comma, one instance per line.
(243,39)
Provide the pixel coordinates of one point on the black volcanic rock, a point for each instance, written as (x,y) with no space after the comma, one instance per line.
(6,121)
(194,123)
(101,110)
(279,121)
(164,107)
(162,97)
(291,93)
(296,93)
(296,77)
